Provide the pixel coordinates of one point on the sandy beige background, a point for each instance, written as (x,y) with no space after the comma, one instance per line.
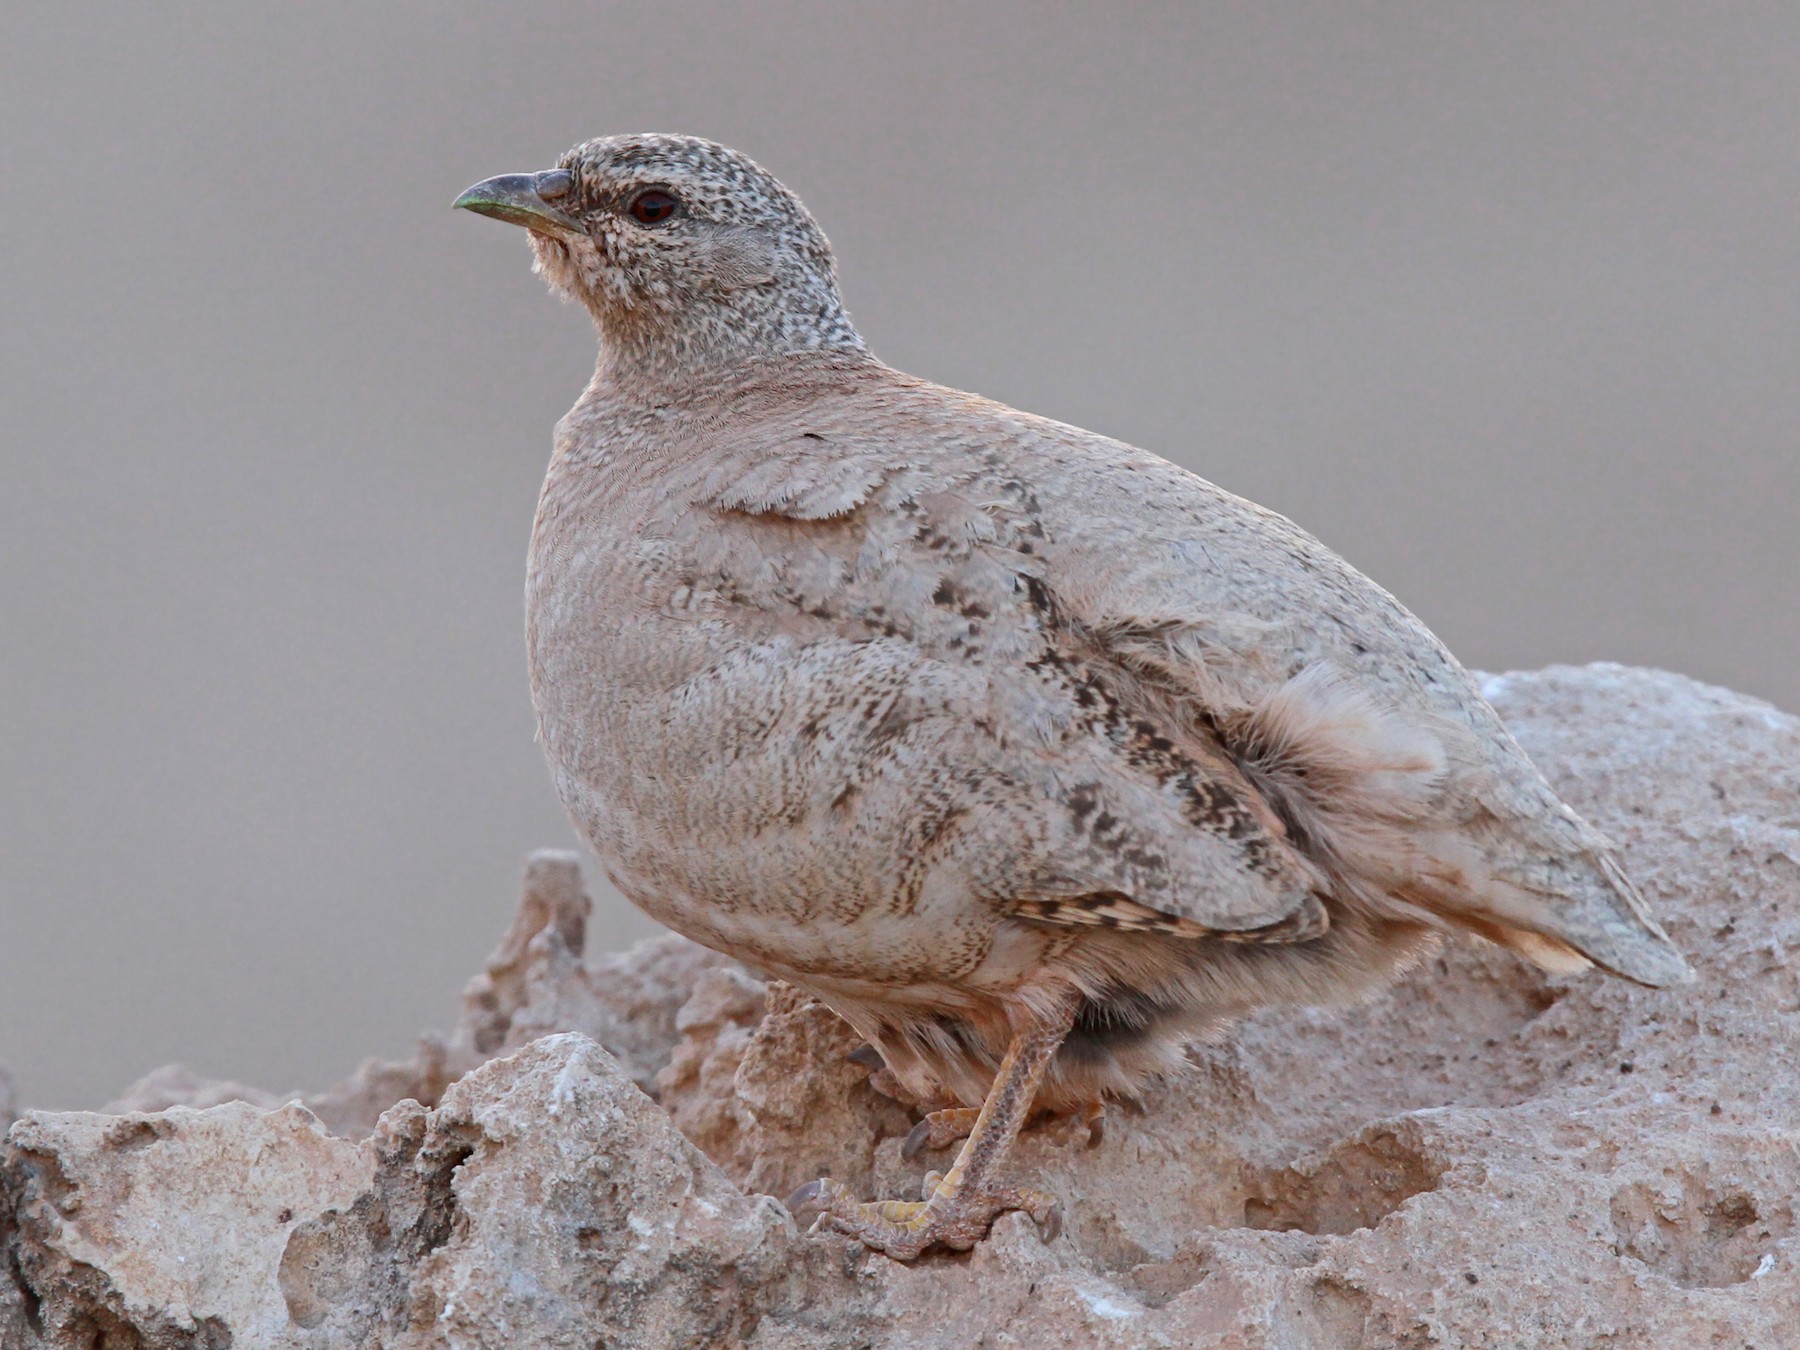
(1503,301)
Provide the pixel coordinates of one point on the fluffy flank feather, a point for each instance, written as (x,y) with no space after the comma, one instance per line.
(1350,777)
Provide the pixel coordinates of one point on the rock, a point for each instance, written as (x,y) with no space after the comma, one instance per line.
(535,983)
(546,1191)
(764,1082)
(1481,1156)
(546,1197)
(167,1226)
(178,1085)
(698,1086)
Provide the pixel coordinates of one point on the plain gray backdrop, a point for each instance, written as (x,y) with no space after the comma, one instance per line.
(1501,300)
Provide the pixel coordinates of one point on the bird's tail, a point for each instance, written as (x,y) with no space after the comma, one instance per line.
(1562,913)
(1362,785)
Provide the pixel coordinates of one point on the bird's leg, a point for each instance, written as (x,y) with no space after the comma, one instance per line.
(960,1207)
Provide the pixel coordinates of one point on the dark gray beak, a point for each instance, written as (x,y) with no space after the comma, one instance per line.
(528,199)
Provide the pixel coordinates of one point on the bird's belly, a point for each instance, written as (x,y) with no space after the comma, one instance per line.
(802,898)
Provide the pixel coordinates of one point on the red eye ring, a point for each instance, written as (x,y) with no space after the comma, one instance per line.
(653,206)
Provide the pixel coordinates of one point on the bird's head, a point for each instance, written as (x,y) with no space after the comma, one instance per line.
(688,254)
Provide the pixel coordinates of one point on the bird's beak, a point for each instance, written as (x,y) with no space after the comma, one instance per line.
(526,199)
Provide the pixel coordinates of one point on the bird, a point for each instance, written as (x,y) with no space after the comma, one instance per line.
(1033,755)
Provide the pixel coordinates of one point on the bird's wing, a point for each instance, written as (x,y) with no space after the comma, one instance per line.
(1135,819)
(1320,703)
(1370,739)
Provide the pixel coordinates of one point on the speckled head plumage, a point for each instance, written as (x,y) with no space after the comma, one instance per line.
(686,252)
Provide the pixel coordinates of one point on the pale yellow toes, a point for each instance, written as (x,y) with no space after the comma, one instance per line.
(904,1229)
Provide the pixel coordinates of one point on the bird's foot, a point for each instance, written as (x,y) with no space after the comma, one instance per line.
(951,1216)
(940,1129)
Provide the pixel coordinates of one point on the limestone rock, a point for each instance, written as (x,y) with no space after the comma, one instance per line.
(772,1093)
(1481,1156)
(178,1085)
(545,1192)
(545,1198)
(698,1086)
(167,1226)
(536,983)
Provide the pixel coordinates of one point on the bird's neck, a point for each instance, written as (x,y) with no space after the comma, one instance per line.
(664,410)
(647,348)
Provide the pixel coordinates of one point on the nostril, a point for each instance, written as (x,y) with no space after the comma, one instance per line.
(554,184)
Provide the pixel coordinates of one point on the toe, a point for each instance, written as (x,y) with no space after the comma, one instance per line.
(939,1129)
(823,1194)
(903,1229)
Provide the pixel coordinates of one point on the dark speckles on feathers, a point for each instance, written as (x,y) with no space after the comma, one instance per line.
(1083,802)
(1108,909)
(954,598)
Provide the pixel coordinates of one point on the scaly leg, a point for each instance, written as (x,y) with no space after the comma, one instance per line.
(962,1205)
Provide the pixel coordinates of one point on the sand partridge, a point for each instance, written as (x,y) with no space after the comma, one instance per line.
(1030,753)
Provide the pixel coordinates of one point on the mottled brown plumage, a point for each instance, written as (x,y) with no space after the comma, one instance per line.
(1032,754)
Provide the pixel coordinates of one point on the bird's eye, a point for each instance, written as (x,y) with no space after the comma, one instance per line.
(653,207)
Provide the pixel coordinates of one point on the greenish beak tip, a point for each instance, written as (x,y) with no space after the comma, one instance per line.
(520,198)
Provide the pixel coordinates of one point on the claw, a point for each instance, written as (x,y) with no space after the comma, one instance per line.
(810,1196)
(869,1057)
(957,1219)
(939,1129)
(957,1209)
(916,1139)
(1096,1123)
